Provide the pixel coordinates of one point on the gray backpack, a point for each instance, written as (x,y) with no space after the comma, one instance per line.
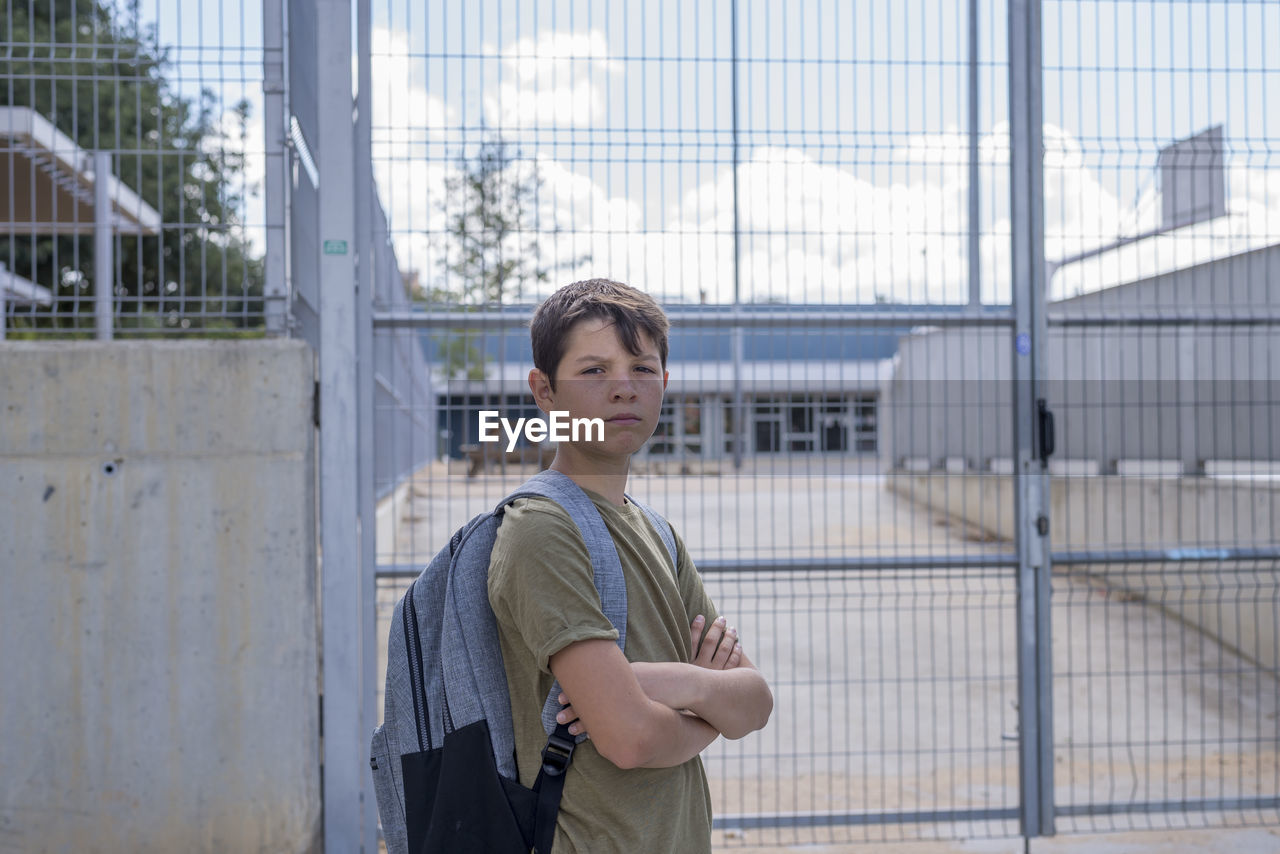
(444,766)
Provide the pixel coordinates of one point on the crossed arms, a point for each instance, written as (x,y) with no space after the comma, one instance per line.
(660,714)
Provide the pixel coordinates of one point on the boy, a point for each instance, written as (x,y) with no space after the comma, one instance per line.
(600,351)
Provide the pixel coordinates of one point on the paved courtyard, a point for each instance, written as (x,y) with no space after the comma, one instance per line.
(896,690)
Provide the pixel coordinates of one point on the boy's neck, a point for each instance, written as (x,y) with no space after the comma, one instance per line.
(608,478)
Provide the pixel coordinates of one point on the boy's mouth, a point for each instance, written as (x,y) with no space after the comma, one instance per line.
(624,418)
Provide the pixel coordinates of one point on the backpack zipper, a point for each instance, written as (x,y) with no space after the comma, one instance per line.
(448,715)
(413,646)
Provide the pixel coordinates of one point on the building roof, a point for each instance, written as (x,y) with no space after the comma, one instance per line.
(698,377)
(52,182)
(19,291)
(691,343)
(1239,281)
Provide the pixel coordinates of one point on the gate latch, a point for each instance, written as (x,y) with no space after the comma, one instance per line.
(1045,431)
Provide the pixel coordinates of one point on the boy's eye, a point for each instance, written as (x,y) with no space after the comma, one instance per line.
(599,370)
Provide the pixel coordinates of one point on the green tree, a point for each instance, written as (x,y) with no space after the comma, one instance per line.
(102,82)
(491,255)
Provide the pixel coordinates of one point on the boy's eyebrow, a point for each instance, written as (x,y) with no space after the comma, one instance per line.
(649,357)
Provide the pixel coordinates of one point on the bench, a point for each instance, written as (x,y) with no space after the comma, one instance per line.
(493,455)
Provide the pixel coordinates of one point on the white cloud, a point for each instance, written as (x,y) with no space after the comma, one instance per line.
(810,231)
(818,232)
(552,80)
(406,119)
(405,114)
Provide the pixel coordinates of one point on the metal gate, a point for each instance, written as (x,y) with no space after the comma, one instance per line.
(978,453)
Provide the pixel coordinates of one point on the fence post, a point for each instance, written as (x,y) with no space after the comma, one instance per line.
(365,288)
(975,175)
(274,291)
(1031,486)
(4,312)
(104,263)
(737,335)
(346,732)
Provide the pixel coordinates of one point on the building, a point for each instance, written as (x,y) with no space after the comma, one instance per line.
(1177,373)
(804,391)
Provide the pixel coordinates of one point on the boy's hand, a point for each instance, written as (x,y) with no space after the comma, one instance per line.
(719,649)
(567,716)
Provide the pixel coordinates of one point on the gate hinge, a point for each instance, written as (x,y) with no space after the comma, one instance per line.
(315,405)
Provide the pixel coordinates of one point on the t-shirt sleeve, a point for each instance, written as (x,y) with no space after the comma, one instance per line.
(541,586)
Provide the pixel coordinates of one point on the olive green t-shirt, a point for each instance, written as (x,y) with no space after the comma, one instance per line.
(542,592)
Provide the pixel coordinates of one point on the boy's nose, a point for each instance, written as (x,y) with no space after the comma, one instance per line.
(624,389)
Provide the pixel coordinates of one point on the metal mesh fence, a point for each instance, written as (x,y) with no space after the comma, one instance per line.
(621,121)
(1165,695)
(771,159)
(1162,224)
(823,196)
(893,704)
(849,487)
(132,162)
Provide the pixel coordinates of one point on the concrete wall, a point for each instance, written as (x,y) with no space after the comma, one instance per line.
(158,621)
(1237,603)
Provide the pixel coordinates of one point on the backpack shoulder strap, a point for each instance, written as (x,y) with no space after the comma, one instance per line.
(606,572)
(606,567)
(663,529)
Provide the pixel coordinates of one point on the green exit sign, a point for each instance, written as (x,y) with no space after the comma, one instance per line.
(335,247)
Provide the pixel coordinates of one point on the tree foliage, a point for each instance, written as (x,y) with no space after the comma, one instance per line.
(490,250)
(102,82)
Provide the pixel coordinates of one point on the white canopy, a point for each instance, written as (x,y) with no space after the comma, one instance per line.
(47,182)
(19,291)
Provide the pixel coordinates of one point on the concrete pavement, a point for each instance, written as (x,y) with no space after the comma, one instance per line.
(895,691)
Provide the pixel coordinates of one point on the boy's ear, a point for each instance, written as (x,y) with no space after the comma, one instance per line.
(666,375)
(540,385)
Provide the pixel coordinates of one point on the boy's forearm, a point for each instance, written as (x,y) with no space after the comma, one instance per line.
(684,737)
(627,727)
(736,702)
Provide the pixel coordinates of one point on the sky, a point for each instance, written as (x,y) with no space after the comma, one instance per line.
(853,151)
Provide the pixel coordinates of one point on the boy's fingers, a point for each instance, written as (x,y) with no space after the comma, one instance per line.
(727,642)
(568,716)
(711,643)
(720,649)
(695,635)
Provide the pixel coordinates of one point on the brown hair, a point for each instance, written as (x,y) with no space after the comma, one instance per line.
(631,311)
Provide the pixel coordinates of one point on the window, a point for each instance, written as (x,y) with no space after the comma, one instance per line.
(768,436)
(864,425)
(679,428)
(663,441)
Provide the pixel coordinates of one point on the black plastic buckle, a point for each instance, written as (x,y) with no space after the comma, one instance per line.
(557,755)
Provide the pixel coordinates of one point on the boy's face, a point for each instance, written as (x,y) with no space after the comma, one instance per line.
(599,378)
